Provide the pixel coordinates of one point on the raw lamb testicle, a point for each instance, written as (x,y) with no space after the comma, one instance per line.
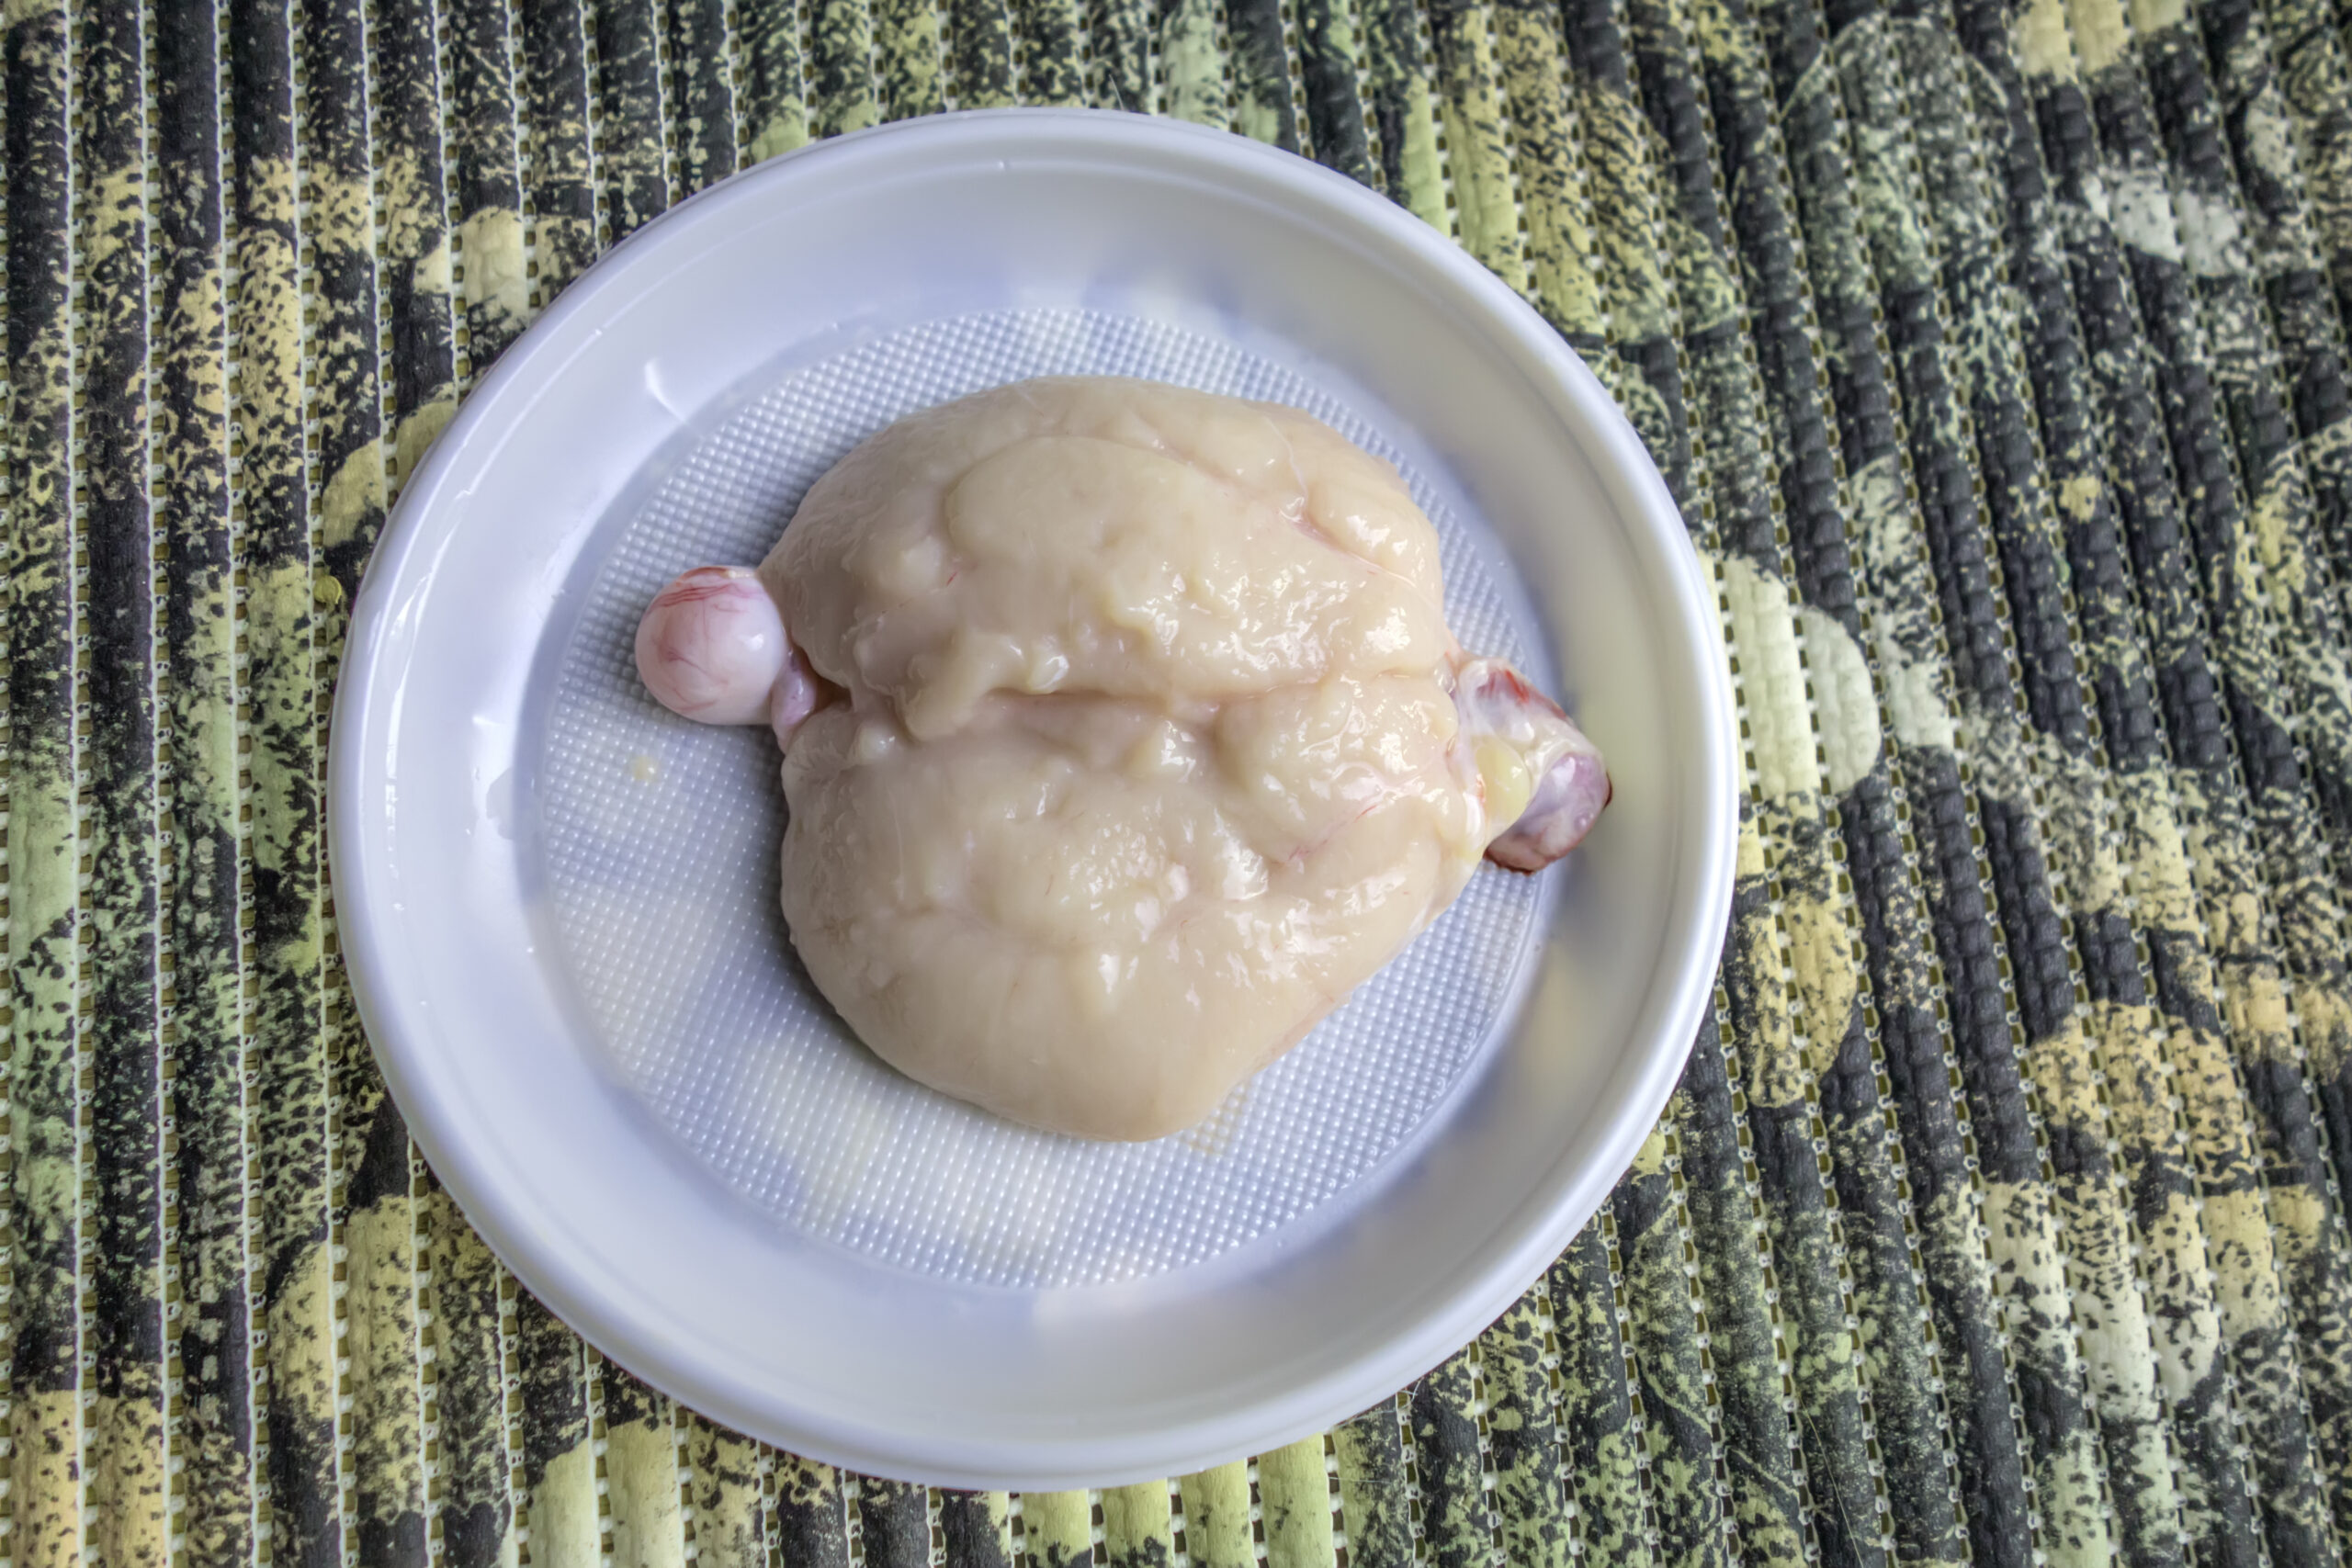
(1122,738)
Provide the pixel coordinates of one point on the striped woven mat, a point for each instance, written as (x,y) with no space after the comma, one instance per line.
(1996,350)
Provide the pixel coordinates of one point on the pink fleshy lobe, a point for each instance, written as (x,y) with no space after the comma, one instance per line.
(1561,812)
(794,696)
(712,645)
(1492,698)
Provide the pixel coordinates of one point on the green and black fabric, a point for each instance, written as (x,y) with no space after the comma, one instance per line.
(1996,351)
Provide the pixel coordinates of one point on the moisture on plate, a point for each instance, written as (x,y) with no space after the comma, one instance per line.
(1122,738)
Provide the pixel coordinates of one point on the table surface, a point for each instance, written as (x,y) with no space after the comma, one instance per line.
(1995,349)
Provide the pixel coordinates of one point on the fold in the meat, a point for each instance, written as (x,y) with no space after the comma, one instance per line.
(1123,737)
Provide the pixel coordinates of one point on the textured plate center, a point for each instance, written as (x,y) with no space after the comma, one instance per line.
(660,842)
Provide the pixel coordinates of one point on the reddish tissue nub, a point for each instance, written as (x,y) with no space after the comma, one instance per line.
(1558,814)
(712,646)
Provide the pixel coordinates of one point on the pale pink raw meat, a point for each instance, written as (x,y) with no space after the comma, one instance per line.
(1123,738)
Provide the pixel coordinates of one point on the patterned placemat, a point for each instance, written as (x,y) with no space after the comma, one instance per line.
(1997,354)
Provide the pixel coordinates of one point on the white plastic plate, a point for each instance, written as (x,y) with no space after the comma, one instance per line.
(556,903)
